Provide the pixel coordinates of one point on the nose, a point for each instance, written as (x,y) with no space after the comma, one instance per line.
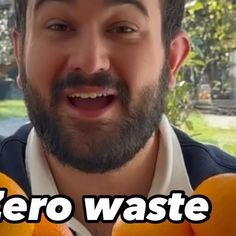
(89,54)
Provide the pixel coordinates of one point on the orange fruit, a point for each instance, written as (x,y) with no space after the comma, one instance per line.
(11,185)
(45,227)
(221,190)
(165,228)
(16,229)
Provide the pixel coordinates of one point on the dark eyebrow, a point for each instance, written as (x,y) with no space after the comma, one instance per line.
(40,3)
(136,3)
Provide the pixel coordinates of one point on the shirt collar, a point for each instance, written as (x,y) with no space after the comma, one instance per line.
(170,173)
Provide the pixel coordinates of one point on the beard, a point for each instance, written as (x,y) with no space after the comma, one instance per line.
(96,147)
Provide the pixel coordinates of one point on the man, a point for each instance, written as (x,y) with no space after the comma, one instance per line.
(94,76)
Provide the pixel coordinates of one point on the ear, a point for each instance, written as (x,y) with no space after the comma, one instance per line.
(17,47)
(179,50)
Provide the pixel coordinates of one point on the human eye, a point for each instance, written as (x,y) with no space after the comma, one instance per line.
(122,28)
(59,26)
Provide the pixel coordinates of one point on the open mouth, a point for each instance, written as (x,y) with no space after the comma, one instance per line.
(91,101)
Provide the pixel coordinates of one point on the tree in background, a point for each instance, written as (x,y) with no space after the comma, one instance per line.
(6,56)
(212,28)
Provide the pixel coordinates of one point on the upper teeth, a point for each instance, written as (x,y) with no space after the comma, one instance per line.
(87,95)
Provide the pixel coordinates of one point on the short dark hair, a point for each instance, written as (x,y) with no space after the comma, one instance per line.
(20,8)
(172,16)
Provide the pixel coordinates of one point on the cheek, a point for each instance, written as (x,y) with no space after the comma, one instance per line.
(140,66)
(43,65)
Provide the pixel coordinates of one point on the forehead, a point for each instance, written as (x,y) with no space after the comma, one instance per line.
(142,5)
(138,3)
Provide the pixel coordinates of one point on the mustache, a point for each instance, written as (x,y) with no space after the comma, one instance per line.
(101,79)
(76,79)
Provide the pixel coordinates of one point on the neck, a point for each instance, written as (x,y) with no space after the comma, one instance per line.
(133,178)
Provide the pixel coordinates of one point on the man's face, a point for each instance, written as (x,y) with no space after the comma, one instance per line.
(94,76)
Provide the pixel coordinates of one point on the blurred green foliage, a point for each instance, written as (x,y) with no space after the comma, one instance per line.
(212,129)
(12,108)
(6,53)
(211,26)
